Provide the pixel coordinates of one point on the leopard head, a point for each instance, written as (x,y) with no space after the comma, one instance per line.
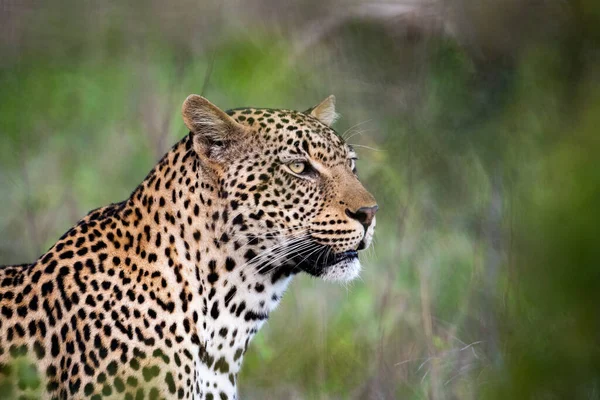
(288,185)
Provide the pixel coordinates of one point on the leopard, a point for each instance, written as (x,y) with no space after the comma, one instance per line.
(159,296)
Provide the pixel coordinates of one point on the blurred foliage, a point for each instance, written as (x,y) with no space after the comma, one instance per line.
(477,132)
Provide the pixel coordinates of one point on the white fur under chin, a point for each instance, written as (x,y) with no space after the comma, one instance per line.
(344,271)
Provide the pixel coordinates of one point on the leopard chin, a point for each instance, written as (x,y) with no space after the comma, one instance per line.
(345,270)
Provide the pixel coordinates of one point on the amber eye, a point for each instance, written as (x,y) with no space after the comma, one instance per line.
(297,167)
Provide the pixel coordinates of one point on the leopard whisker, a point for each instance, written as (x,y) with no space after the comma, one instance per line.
(275,256)
(276,250)
(351,129)
(365,147)
(278,233)
(268,233)
(280,236)
(296,250)
(300,252)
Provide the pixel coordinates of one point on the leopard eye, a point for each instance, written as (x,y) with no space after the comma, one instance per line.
(352,164)
(298,167)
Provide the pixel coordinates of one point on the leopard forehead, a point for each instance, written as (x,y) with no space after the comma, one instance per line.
(293,130)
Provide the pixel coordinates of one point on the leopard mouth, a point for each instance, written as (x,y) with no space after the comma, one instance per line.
(319,262)
(345,256)
(341,267)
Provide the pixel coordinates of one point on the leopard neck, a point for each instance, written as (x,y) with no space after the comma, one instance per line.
(219,301)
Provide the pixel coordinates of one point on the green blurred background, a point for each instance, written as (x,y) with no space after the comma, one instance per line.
(477,124)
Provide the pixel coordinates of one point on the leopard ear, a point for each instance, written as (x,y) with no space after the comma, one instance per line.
(212,129)
(325,111)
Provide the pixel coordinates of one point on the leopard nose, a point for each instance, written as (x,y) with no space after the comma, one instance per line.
(364,215)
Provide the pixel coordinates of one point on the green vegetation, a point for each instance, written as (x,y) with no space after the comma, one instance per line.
(484,278)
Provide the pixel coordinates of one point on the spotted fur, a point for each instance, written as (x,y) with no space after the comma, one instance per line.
(159,296)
